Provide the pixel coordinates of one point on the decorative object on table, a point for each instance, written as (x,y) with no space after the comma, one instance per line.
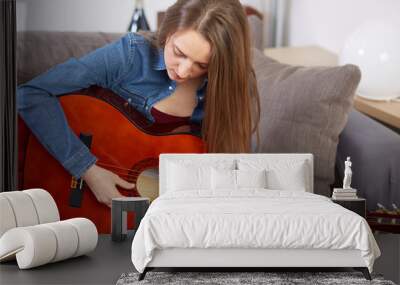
(384,220)
(382,209)
(346,193)
(31,231)
(347,174)
(396,210)
(119,209)
(374,47)
(248,278)
(357,205)
(139,20)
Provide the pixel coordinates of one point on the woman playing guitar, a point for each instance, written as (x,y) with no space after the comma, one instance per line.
(196,68)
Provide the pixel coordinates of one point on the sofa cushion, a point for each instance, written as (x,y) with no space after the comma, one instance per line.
(38,51)
(303,110)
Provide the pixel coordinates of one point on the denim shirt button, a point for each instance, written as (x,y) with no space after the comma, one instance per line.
(170,88)
(126,104)
(147,107)
(200,98)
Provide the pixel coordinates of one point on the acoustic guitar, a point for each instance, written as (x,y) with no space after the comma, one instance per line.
(124,142)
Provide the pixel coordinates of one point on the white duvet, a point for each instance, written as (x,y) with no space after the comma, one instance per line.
(251,218)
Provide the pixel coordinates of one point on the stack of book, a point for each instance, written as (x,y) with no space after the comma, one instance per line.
(342,194)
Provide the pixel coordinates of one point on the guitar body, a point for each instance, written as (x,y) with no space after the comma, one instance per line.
(122,140)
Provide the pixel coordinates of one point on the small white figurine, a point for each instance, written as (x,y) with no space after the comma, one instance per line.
(347,174)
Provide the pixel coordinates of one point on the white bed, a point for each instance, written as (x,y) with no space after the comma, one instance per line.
(248,226)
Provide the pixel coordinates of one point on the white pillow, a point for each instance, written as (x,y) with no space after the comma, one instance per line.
(289,179)
(236,179)
(251,178)
(281,174)
(216,163)
(182,177)
(223,179)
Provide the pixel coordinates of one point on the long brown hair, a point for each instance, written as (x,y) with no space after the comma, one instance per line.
(232,105)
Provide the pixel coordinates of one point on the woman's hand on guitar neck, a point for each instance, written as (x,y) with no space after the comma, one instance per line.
(103,183)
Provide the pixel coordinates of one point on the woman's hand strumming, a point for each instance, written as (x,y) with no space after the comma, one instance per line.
(103,183)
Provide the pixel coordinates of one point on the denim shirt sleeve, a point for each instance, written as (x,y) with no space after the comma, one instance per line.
(41,110)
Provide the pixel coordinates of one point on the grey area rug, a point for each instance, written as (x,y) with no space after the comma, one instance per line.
(232,278)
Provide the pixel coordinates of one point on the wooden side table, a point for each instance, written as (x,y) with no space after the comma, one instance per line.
(356,205)
(383,111)
(386,112)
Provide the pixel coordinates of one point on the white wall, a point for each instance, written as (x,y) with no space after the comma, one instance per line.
(91,15)
(74,15)
(329,22)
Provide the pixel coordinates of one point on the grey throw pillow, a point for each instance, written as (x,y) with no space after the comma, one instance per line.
(303,110)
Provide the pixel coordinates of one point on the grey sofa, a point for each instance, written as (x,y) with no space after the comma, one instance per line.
(374,149)
(375,152)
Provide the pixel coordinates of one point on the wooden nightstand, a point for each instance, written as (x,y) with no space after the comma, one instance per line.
(356,205)
(385,112)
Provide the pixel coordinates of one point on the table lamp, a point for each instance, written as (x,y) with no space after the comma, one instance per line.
(375,47)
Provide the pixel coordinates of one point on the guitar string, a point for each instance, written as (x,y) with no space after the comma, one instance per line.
(117,167)
(125,175)
(120,171)
(122,174)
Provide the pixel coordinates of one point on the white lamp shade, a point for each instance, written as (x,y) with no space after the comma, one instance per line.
(375,48)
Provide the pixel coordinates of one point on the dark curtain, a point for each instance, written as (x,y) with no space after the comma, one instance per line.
(8,114)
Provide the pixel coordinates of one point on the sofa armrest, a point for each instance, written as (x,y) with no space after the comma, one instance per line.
(375,152)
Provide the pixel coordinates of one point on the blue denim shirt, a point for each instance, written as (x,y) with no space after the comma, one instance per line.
(130,67)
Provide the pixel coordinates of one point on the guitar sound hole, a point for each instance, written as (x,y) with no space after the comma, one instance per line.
(147,183)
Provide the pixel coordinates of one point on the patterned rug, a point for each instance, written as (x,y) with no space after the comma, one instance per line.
(243,278)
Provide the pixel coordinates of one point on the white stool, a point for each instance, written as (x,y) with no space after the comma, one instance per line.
(31,231)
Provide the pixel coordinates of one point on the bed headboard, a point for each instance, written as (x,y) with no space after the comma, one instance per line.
(167,157)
